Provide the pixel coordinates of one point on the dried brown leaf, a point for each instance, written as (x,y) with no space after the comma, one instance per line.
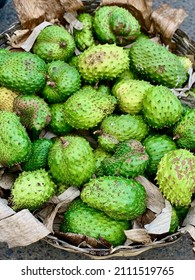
(190,217)
(138,236)
(7,180)
(5,210)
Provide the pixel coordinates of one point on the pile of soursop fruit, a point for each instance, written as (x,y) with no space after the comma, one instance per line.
(113,117)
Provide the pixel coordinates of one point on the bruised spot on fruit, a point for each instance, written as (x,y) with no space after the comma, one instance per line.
(63,45)
(161,69)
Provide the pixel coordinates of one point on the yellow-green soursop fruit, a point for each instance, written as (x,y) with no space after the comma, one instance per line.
(175,176)
(54,43)
(186,62)
(82,219)
(71,160)
(130,94)
(23,72)
(161,108)
(31,190)
(84,37)
(62,81)
(155,63)
(7,99)
(118,197)
(15,144)
(102,62)
(88,107)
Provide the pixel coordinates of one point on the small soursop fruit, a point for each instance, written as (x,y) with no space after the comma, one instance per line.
(161,108)
(71,160)
(118,197)
(31,190)
(7,99)
(15,144)
(102,62)
(175,176)
(153,62)
(83,219)
(54,43)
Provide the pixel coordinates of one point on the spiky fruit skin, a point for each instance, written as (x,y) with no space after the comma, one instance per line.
(118,128)
(186,62)
(31,190)
(84,38)
(102,62)
(155,63)
(23,72)
(161,108)
(100,154)
(126,75)
(58,124)
(83,219)
(7,99)
(33,111)
(130,94)
(118,197)
(156,147)
(175,176)
(88,107)
(15,144)
(38,156)
(62,81)
(174,221)
(184,131)
(71,160)
(54,43)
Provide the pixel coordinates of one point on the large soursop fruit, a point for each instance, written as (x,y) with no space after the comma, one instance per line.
(175,176)
(118,197)
(15,144)
(31,190)
(155,63)
(102,62)
(83,219)
(71,160)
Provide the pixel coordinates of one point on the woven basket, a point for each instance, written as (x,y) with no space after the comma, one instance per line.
(184,46)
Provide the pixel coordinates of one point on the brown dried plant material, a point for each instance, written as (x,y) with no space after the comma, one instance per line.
(7,180)
(5,210)
(138,236)
(190,217)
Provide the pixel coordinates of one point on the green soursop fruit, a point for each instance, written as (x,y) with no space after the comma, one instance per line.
(15,144)
(153,62)
(161,108)
(58,124)
(130,94)
(82,219)
(129,160)
(156,147)
(175,176)
(118,128)
(23,72)
(174,221)
(62,81)
(102,62)
(84,37)
(31,190)
(100,154)
(38,156)
(71,160)
(88,107)
(33,111)
(126,75)
(54,43)
(118,197)
(184,131)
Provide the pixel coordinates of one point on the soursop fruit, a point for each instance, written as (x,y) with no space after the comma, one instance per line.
(54,43)
(88,107)
(153,62)
(130,94)
(84,37)
(23,72)
(71,160)
(156,147)
(175,176)
(31,190)
(184,131)
(7,99)
(186,62)
(102,62)
(100,154)
(82,219)
(117,128)
(174,221)
(62,80)
(120,198)
(15,144)
(161,108)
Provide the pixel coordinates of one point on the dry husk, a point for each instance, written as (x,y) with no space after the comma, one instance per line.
(148,231)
